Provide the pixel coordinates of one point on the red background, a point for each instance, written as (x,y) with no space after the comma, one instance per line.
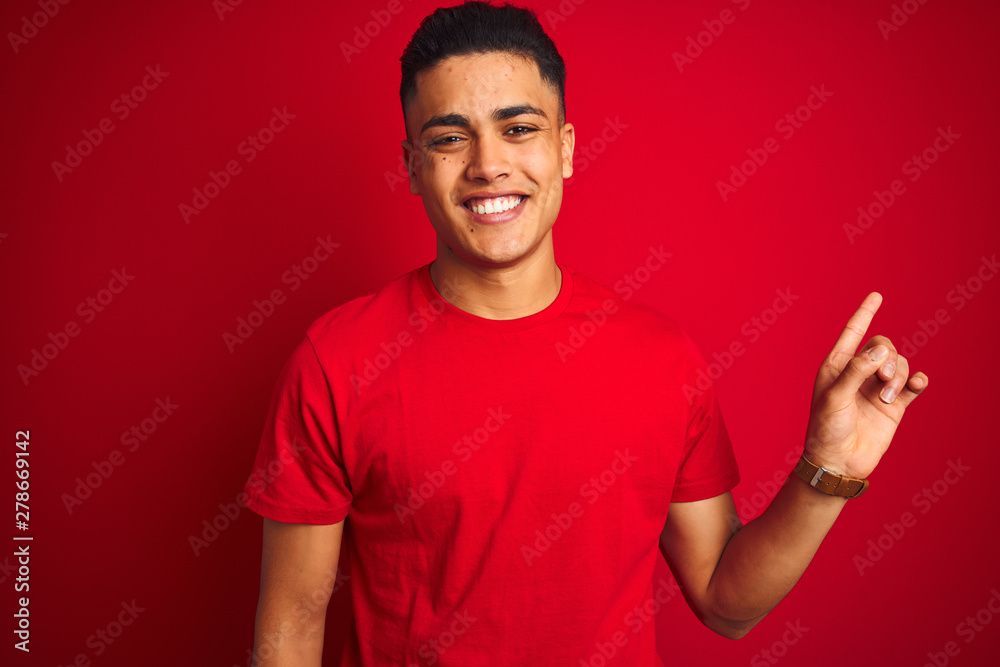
(331,173)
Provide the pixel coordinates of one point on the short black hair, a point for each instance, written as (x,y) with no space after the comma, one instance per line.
(479,27)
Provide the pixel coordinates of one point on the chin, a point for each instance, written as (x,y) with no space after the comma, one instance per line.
(508,255)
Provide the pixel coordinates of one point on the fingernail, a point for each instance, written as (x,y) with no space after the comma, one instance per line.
(878,352)
(888,394)
(889,369)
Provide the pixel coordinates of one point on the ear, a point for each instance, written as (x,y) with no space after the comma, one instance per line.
(567,136)
(410,157)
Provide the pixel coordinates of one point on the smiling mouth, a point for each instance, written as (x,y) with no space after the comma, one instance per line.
(484,205)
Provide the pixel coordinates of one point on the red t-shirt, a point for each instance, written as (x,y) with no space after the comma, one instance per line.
(505,482)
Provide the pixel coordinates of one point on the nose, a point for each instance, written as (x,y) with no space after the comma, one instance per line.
(489,159)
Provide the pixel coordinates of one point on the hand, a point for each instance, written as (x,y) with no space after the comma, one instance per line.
(858,400)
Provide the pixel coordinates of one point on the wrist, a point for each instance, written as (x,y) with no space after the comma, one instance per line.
(830,465)
(828,480)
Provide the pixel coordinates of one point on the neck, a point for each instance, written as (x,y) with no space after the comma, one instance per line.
(498,292)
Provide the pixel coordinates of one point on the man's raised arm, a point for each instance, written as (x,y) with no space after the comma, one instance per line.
(297,577)
(732,576)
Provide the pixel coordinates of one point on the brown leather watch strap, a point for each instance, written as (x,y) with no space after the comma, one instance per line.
(828,482)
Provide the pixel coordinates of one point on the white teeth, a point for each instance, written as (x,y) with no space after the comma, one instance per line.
(497,204)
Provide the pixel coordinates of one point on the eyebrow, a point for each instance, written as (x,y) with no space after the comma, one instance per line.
(499,115)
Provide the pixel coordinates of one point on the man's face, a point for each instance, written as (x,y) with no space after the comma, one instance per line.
(487,156)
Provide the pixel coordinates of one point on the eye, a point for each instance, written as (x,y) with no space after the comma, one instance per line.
(521,130)
(446,140)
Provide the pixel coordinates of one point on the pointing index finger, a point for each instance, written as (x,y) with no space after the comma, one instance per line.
(852,335)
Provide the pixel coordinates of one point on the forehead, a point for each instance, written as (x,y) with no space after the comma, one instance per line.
(475,84)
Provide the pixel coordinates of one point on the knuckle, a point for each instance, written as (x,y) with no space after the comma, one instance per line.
(882,340)
(854,328)
(858,366)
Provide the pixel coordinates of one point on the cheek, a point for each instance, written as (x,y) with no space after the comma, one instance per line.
(440,171)
(543,164)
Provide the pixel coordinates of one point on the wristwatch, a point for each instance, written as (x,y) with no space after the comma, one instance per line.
(828,482)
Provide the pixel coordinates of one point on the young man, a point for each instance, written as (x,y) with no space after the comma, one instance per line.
(509,441)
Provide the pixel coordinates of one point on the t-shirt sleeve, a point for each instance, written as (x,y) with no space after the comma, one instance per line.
(299,474)
(708,465)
